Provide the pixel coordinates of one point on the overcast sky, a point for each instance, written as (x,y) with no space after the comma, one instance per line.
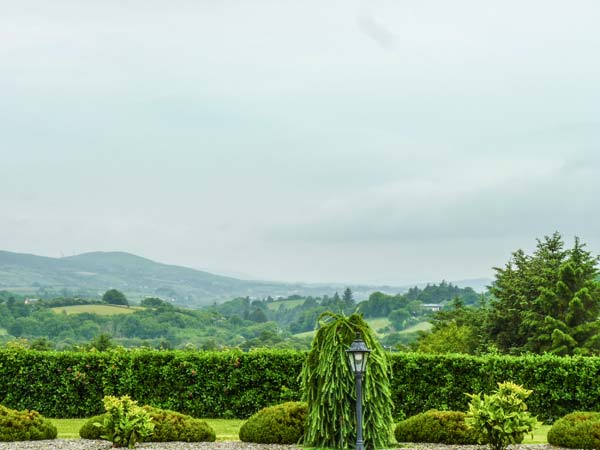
(351,141)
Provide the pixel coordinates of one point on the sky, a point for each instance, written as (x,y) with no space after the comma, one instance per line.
(318,141)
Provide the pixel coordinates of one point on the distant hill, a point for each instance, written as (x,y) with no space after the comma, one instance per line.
(91,274)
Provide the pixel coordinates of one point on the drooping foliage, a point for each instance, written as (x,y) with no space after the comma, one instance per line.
(328,386)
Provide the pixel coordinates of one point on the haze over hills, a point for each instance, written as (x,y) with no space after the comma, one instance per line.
(91,274)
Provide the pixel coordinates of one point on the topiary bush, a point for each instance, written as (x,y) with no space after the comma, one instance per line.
(24,426)
(576,430)
(168,426)
(433,426)
(280,424)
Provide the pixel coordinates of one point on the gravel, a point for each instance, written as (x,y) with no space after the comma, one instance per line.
(85,444)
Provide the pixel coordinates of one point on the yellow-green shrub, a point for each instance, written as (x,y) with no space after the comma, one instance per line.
(24,426)
(168,426)
(280,424)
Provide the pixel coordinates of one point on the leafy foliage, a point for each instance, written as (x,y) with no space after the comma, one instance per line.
(329,389)
(281,424)
(441,427)
(576,430)
(501,419)
(168,426)
(125,423)
(24,426)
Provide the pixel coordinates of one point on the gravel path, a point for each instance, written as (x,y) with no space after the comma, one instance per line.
(85,444)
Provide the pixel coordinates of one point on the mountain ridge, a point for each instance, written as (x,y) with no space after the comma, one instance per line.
(91,274)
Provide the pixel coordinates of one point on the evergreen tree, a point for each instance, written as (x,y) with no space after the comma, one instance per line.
(348,299)
(547,302)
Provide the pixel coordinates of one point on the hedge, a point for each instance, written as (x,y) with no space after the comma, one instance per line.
(202,384)
(235,384)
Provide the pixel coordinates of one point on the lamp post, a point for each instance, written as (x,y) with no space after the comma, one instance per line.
(358,353)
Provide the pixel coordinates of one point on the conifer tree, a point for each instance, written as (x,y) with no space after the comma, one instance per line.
(329,389)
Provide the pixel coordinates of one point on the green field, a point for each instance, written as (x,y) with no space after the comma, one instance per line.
(421,326)
(378,323)
(101,310)
(3,332)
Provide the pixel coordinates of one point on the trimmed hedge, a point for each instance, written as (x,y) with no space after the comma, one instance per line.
(576,430)
(280,424)
(433,426)
(560,384)
(24,426)
(202,384)
(235,384)
(169,426)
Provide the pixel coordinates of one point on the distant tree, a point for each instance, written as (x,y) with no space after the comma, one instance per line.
(152,302)
(348,299)
(258,315)
(114,297)
(41,344)
(102,342)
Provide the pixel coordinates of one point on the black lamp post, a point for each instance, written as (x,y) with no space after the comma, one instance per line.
(358,353)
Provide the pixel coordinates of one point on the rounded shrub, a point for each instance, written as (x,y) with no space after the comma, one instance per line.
(169,426)
(280,424)
(24,425)
(440,427)
(576,430)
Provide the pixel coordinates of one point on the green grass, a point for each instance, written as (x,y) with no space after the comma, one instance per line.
(421,326)
(101,310)
(228,430)
(225,429)
(539,436)
(288,304)
(68,428)
(378,323)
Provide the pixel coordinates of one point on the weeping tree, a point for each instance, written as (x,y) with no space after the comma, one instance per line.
(329,389)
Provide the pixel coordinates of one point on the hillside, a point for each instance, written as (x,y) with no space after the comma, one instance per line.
(91,274)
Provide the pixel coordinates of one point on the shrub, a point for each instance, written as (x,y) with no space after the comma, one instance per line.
(280,424)
(125,423)
(440,427)
(576,430)
(501,418)
(168,426)
(173,426)
(24,426)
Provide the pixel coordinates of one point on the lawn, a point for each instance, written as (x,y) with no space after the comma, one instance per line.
(225,429)
(228,429)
